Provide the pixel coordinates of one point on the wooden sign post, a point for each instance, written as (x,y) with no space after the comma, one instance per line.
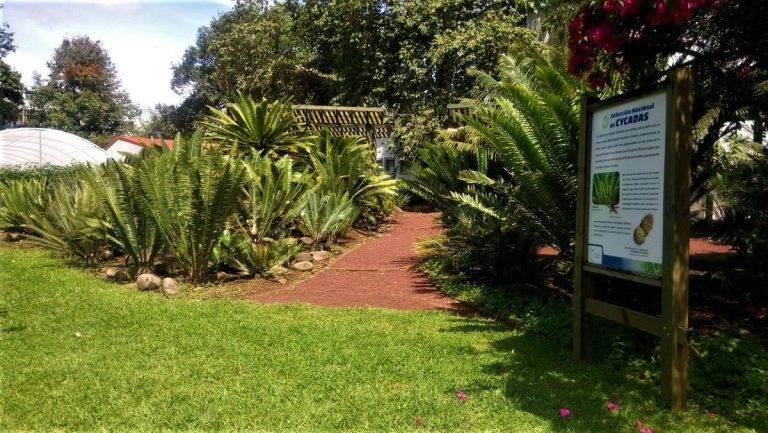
(632,216)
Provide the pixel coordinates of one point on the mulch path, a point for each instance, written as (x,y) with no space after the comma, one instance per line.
(378,274)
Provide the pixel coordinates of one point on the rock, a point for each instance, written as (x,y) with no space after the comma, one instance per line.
(281,280)
(278,270)
(170,287)
(303,266)
(303,257)
(106,255)
(222,276)
(320,256)
(14,237)
(114,273)
(306,240)
(148,282)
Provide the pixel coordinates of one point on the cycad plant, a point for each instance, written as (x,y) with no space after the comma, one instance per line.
(529,120)
(18,200)
(273,192)
(235,250)
(326,215)
(437,172)
(69,222)
(128,226)
(190,195)
(346,166)
(267,127)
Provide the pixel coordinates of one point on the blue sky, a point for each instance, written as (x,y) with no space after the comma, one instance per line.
(143,37)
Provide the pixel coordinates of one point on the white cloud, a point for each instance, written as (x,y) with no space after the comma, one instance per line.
(143,39)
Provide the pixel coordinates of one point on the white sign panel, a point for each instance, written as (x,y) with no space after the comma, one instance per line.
(626,185)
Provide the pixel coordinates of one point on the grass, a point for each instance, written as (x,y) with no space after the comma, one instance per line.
(80,354)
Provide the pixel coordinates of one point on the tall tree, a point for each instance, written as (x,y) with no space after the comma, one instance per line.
(82,93)
(11,88)
(633,43)
(408,55)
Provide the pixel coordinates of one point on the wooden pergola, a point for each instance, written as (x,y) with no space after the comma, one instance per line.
(368,122)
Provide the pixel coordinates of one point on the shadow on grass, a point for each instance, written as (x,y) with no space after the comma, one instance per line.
(540,377)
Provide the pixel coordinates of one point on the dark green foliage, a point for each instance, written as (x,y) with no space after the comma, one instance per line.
(190,195)
(743,191)
(237,251)
(128,226)
(730,375)
(19,199)
(68,222)
(529,120)
(265,127)
(346,166)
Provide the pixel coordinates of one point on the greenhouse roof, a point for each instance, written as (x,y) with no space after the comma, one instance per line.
(23,146)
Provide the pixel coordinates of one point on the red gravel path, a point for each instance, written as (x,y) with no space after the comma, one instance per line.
(375,274)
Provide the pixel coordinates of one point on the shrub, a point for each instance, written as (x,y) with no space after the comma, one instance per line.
(346,166)
(325,215)
(273,192)
(529,120)
(266,127)
(743,192)
(128,226)
(18,200)
(69,222)
(45,172)
(237,251)
(190,195)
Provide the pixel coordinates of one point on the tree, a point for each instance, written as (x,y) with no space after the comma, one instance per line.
(82,93)
(11,88)
(626,44)
(252,49)
(407,55)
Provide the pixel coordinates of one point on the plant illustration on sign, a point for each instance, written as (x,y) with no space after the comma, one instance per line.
(605,190)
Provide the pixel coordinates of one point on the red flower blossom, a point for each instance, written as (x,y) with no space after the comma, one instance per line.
(630,7)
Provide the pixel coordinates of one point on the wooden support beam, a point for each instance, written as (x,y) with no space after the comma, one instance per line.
(674,293)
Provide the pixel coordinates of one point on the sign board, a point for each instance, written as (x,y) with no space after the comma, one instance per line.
(632,217)
(626,184)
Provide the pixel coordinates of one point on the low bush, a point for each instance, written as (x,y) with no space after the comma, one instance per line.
(743,192)
(69,222)
(45,172)
(190,195)
(18,200)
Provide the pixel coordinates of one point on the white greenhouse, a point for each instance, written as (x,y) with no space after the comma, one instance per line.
(33,146)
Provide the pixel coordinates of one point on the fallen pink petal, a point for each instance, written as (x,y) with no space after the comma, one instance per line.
(642,428)
(461,395)
(565,412)
(612,407)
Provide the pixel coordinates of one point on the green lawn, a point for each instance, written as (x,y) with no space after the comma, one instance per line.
(80,354)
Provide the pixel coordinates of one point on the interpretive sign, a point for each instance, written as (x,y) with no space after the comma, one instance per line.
(632,214)
(626,175)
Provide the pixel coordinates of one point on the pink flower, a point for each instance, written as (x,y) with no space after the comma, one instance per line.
(630,7)
(642,428)
(461,395)
(612,407)
(565,412)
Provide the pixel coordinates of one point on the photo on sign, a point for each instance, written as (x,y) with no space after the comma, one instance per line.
(606,190)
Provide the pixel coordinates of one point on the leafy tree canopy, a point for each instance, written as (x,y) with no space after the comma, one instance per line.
(626,44)
(82,93)
(407,55)
(11,88)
